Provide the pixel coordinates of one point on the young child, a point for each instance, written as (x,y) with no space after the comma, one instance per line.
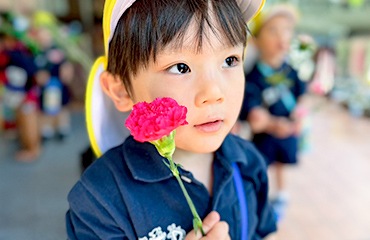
(20,95)
(272,95)
(191,51)
(54,75)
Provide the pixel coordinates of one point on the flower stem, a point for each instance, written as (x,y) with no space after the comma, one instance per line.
(197,222)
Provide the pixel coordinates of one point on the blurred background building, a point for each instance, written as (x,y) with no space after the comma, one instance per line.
(330,190)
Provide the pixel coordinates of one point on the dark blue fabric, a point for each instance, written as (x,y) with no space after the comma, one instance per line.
(256,84)
(45,62)
(24,60)
(276,149)
(128,192)
(273,149)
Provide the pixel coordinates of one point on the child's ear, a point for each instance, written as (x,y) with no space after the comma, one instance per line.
(114,88)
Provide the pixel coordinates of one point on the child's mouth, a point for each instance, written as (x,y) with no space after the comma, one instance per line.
(209,127)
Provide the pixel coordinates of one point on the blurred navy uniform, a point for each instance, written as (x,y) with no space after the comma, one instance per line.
(276,90)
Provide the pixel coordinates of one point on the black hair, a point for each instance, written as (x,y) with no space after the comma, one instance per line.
(150,25)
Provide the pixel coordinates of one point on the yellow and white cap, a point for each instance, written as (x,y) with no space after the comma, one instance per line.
(269,12)
(105,124)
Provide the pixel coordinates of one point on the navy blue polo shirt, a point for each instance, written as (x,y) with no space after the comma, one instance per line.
(257,86)
(24,60)
(260,93)
(129,193)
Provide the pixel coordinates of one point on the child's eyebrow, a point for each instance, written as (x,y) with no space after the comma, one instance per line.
(191,49)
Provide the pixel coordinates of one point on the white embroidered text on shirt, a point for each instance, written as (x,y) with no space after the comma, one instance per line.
(174,233)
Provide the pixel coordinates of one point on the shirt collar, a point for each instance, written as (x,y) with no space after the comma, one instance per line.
(145,163)
(228,152)
(266,70)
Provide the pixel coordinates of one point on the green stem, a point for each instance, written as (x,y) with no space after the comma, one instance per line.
(197,222)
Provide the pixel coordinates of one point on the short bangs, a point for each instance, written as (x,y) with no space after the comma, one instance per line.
(150,25)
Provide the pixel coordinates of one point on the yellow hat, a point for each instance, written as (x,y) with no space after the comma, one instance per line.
(44,19)
(105,123)
(270,12)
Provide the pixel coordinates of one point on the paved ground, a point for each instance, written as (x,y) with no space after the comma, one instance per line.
(330,189)
(33,196)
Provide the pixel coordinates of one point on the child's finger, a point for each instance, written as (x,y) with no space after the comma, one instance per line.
(208,223)
(220,231)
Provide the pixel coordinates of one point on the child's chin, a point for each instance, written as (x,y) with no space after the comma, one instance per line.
(209,147)
(200,147)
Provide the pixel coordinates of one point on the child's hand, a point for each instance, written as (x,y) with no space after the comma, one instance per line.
(259,119)
(213,227)
(282,127)
(42,77)
(66,73)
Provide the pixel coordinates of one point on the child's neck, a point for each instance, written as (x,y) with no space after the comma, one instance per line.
(199,164)
(274,62)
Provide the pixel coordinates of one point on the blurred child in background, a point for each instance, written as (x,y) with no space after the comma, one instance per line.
(54,75)
(19,100)
(272,95)
(34,78)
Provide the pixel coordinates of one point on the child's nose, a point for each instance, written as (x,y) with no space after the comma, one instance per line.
(209,89)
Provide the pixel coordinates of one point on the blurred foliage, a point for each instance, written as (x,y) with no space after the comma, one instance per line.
(68,38)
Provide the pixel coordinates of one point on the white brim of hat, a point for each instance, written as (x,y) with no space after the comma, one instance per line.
(105,124)
(281,10)
(250,8)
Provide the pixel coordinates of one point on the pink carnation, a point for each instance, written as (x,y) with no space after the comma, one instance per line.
(152,121)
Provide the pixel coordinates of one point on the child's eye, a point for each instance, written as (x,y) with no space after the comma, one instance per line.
(179,68)
(230,62)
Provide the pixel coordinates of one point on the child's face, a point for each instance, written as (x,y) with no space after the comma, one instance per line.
(275,36)
(209,83)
